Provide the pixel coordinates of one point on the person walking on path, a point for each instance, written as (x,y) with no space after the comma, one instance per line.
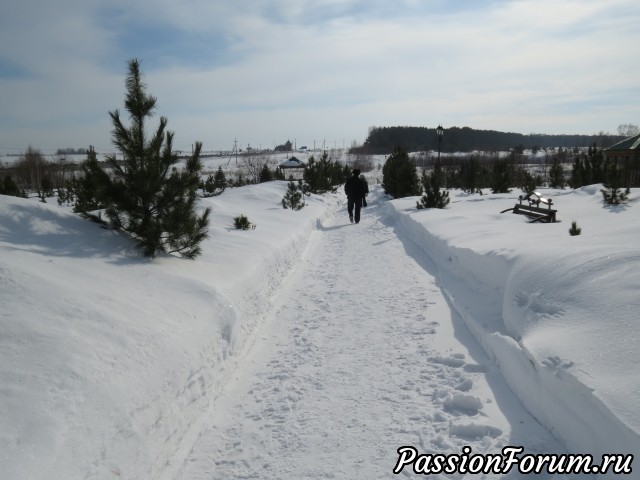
(355,190)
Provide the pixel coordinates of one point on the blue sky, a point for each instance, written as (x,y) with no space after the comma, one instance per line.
(316,71)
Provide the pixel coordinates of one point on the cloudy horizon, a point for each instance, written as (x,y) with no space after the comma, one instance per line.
(322,72)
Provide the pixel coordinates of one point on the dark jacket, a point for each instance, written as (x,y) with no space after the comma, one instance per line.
(355,188)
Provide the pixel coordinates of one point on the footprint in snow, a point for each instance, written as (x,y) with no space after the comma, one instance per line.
(474,431)
(451,361)
(463,404)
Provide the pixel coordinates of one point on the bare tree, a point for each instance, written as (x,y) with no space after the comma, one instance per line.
(253,163)
(628,130)
(30,169)
(359,158)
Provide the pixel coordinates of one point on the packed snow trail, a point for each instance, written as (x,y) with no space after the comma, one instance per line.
(361,355)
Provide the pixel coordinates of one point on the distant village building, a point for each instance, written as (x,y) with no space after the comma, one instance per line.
(286,147)
(292,167)
(626,154)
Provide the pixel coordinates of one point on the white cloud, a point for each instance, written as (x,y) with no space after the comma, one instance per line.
(266,70)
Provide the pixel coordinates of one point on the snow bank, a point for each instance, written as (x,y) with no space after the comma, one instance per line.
(108,361)
(560,315)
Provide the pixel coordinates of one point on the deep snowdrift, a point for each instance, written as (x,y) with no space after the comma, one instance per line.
(560,314)
(108,361)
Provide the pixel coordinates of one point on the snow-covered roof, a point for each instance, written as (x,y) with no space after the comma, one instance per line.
(631,143)
(292,162)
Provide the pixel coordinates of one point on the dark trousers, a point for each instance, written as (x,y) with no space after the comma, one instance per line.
(357,203)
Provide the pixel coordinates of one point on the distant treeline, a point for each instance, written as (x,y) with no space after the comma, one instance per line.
(71,151)
(382,140)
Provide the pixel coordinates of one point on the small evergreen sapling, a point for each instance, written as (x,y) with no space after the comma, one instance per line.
(89,188)
(575,229)
(293,198)
(556,174)
(8,186)
(266,175)
(241,222)
(501,176)
(612,192)
(528,181)
(435,196)
(471,175)
(215,184)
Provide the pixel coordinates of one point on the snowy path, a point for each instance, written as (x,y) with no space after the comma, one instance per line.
(361,355)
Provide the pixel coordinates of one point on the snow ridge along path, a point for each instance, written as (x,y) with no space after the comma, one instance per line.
(361,355)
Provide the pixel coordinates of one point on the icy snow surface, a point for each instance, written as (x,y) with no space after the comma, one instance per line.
(313,348)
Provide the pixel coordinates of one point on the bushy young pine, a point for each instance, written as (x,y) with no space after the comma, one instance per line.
(528,182)
(266,175)
(556,174)
(612,192)
(293,198)
(46,188)
(323,175)
(577,178)
(66,195)
(595,165)
(278,174)
(588,169)
(145,194)
(89,189)
(501,176)
(471,174)
(241,222)
(575,229)
(434,195)
(399,175)
(215,184)
(9,187)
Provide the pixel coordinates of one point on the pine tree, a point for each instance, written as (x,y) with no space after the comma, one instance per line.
(146,195)
(528,181)
(501,176)
(215,184)
(278,174)
(612,192)
(265,174)
(577,173)
(588,169)
(435,196)
(241,222)
(323,175)
(219,181)
(399,176)
(596,168)
(470,176)
(9,187)
(89,189)
(293,198)
(575,229)
(556,174)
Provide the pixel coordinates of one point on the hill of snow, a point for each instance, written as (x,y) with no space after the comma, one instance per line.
(108,360)
(559,314)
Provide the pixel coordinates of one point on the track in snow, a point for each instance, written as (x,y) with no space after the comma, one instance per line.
(360,356)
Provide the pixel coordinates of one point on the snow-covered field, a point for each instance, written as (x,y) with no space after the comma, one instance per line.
(113,366)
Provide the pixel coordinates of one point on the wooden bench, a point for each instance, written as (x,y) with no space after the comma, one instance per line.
(532,208)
